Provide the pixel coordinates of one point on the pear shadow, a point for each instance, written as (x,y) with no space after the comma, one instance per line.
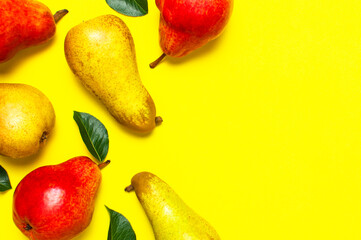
(198,53)
(22,56)
(83,235)
(5,192)
(24,161)
(133,132)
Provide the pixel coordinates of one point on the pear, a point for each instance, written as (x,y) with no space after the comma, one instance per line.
(26,120)
(57,201)
(186,25)
(25,23)
(101,53)
(170,217)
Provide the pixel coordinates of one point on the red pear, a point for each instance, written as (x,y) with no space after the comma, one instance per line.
(25,23)
(57,201)
(186,25)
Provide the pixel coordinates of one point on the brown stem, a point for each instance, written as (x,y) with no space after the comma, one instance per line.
(103,164)
(156,62)
(60,14)
(158,120)
(129,188)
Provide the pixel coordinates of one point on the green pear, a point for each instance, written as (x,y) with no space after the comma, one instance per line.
(101,53)
(170,217)
(27,117)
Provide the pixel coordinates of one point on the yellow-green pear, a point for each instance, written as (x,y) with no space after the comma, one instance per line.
(26,119)
(101,53)
(170,217)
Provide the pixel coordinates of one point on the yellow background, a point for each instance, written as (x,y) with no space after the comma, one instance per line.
(262,127)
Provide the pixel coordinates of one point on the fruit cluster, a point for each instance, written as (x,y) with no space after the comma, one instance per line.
(101,53)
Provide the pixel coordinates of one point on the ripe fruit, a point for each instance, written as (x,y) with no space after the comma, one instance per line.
(101,53)
(26,120)
(170,217)
(25,23)
(57,201)
(186,25)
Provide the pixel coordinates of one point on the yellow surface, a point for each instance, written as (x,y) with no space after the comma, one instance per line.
(262,127)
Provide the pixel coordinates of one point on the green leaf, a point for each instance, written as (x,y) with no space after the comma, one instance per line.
(94,134)
(4,180)
(119,228)
(133,8)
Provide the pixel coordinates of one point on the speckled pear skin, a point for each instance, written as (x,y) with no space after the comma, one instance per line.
(186,25)
(57,201)
(27,117)
(101,53)
(170,217)
(23,23)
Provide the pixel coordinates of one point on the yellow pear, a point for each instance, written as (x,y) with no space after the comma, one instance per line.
(26,119)
(170,217)
(101,53)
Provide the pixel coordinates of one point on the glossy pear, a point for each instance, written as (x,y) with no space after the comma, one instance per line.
(57,201)
(27,118)
(25,23)
(101,53)
(170,217)
(186,25)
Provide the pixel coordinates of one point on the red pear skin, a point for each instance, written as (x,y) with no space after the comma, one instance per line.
(57,201)
(186,25)
(23,23)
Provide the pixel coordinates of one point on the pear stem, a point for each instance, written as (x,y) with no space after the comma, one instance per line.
(129,188)
(156,62)
(60,14)
(103,164)
(158,120)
